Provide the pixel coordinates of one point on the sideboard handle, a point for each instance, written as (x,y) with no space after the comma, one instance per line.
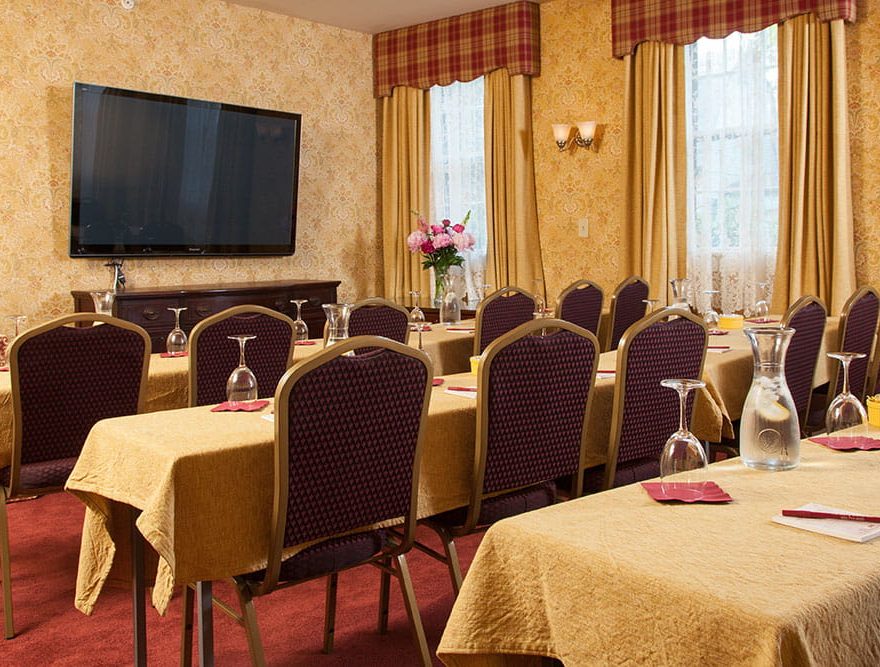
(315,301)
(150,314)
(203,311)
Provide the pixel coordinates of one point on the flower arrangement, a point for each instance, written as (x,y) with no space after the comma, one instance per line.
(441,244)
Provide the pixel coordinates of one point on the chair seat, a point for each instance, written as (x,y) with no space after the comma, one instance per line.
(41,474)
(332,555)
(501,507)
(627,473)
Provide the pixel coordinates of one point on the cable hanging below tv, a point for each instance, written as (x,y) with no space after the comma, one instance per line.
(155,175)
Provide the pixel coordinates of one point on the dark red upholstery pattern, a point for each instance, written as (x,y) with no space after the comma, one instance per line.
(266,355)
(69,378)
(354,426)
(628,309)
(41,474)
(803,353)
(861,323)
(500,507)
(537,393)
(583,307)
(504,314)
(378,321)
(664,350)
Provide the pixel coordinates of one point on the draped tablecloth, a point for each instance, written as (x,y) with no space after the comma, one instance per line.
(616,578)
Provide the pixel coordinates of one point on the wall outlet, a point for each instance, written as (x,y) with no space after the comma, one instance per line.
(583,228)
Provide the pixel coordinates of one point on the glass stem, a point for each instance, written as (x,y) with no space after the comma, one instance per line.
(682,402)
(845,363)
(176,319)
(299,308)
(241,343)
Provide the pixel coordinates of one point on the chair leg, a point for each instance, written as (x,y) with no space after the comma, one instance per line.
(249,619)
(330,612)
(186,638)
(412,609)
(384,589)
(6,574)
(451,558)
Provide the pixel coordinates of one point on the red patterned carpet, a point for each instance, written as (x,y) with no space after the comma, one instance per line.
(45,536)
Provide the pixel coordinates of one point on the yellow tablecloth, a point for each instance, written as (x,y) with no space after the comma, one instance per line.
(616,578)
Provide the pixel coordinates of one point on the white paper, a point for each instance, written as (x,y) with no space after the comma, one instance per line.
(463,394)
(602,375)
(718,350)
(268,418)
(855,531)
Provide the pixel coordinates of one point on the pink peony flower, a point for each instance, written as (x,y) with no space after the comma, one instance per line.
(442,240)
(437,229)
(446,222)
(423,225)
(459,228)
(427,247)
(415,240)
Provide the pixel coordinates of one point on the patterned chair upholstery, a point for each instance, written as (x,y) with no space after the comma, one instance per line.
(581,303)
(378,317)
(501,312)
(627,308)
(807,317)
(661,346)
(858,327)
(64,380)
(345,463)
(213,356)
(533,401)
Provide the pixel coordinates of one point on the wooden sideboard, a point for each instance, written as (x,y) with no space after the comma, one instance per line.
(148,306)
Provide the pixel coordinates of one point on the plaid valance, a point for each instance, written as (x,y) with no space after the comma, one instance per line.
(685,21)
(460,48)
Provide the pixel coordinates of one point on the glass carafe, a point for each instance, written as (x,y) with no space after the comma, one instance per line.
(450,308)
(337,322)
(680,288)
(769,434)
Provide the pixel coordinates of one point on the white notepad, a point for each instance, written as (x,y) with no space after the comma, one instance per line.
(855,531)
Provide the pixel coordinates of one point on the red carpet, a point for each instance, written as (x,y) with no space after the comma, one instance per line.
(45,538)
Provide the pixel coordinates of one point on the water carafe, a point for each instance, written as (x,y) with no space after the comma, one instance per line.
(680,289)
(450,308)
(337,322)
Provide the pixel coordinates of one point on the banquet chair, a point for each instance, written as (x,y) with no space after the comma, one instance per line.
(807,317)
(532,407)
(858,328)
(64,380)
(212,356)
(663,345)
(377,317)
(627,308)
(344,464)
(581,303)
(501,312)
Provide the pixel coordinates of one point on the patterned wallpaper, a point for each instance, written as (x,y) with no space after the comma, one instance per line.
(207,49)
(581,81)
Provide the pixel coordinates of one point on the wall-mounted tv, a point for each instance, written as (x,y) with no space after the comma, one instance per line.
(155,175)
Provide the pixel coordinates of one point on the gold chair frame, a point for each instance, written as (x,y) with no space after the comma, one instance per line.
(612,308)
(576,285)
(620,382)
(246,309)
(793,310)
(12,490)
(374,301)
(498,294)
(393,562)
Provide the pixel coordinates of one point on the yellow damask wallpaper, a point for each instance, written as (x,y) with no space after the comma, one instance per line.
(206,49)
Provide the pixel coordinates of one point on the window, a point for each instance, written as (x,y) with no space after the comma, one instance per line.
(458,181)
(733,166)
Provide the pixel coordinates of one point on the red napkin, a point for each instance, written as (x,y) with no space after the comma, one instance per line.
(848,442)
(306,342)
(462,388)
(425,327)
(718,332)
(459,328)
(693,492)
(718,347)
(761,320)
(4,369)
(168,355)
(243,406)
(436,382)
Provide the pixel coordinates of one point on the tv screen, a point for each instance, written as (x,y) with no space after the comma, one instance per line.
(156,175)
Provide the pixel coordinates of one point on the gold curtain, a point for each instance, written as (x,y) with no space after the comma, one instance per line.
(816,254)
(406,185)
(514,254)
(655,242)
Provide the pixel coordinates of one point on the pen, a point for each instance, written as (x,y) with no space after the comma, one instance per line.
(806,514)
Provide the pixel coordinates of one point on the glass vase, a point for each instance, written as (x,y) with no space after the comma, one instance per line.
(450,307)
(337,322)
(770,433)
(440,282)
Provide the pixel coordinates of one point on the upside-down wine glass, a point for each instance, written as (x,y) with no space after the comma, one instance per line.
(175,343)
(845,410)
(417,315)
(683,463)
(242,383)
(300,328)
(762,308)
(710,315)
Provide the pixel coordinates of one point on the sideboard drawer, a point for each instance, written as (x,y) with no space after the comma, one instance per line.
(150,314)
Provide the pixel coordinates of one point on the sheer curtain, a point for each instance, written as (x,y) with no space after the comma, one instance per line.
(458,182)
(733,166)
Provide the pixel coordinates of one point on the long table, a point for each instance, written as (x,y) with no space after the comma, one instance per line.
(616,578)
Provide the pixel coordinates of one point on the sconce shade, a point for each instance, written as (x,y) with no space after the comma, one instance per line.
(561,132)
(587,128)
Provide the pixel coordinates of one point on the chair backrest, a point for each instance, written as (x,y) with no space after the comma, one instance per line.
(212,356)
(377,317)
(344,460)
(581,303)
(532,408)
(664,345)
(807,317)
(66,378)
(501,312)
(858,327)
(627,308)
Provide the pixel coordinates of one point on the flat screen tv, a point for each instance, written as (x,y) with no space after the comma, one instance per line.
(154,175)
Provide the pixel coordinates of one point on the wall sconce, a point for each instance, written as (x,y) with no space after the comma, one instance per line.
(586,130)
